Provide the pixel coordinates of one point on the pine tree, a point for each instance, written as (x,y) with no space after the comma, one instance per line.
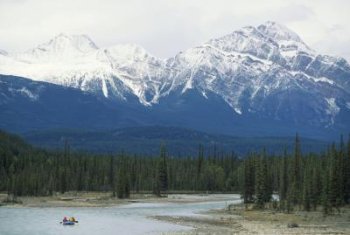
(248,180)
(325,194)
(262,192)
(306,191)
(112,175)
(315,186)
(123,187)
(268,182)
(296,178)
(347,173)
(341,172)
(283,179)
(199,165)
(163,170)
(336,183)
(156,184)
(289,201)
(120,184)
(123,183)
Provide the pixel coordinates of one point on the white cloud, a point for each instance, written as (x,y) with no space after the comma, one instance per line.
(165,27)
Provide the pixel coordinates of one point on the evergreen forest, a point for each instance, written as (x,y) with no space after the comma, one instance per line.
(287,182)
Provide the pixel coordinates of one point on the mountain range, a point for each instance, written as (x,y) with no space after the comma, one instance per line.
(255,81)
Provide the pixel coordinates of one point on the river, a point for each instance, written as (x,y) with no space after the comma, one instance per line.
(133,218)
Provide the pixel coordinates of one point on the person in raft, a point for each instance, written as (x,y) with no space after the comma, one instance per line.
(72,219)
(65,219)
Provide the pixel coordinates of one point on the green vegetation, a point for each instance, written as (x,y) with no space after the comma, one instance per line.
(25,170)
(302,181)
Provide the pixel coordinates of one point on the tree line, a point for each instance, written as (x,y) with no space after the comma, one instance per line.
(300,181)
(304,182)
(25,170)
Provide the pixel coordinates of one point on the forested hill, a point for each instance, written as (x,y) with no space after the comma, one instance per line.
(179,141)
(12,143)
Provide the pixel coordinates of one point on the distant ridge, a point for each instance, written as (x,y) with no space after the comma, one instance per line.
(255,81)
(179,141)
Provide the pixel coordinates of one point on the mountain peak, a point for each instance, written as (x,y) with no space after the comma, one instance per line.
(128,51)
(61,46)
(249,74)
(278,32)
(63,41)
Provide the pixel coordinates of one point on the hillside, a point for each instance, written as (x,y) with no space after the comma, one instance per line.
(179,141)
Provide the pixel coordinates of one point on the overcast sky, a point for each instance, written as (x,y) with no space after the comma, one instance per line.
(165,27)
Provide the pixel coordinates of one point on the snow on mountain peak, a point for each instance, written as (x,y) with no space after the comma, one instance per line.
(74,60)
(278,32)
(270,41)
(289,43)
(248,40)
(61,46)
(63,41)
(128,51)
(254,62)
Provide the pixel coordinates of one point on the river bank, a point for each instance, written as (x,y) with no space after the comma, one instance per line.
(70,199)
(192,211)
(106,199)
(239,220)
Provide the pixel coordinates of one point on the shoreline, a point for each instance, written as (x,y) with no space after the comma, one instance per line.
(238,220)
(105,199)
(234,219)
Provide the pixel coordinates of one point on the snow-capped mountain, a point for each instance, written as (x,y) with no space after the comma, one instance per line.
(266,72)
(75,61)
